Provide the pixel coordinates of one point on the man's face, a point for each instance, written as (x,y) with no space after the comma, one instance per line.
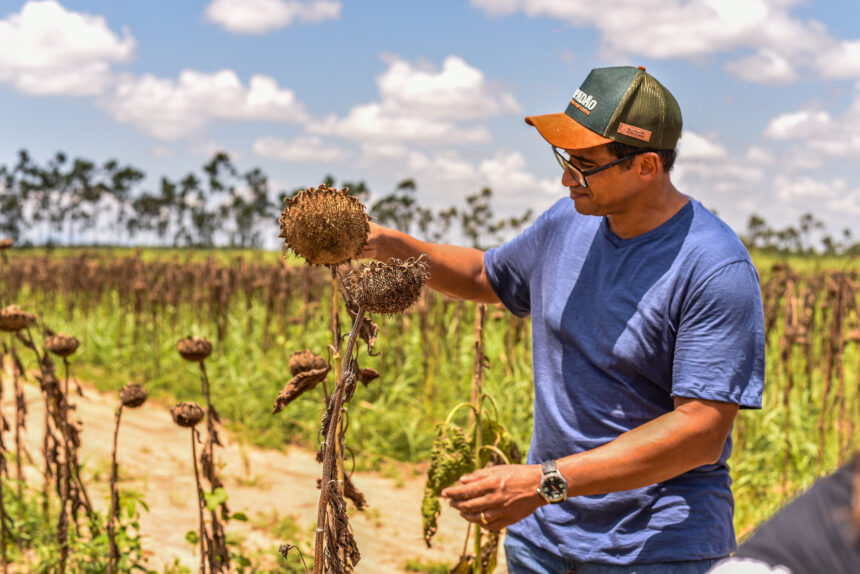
(609,191)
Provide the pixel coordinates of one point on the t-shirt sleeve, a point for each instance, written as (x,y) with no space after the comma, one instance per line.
(719,348)
(510,268)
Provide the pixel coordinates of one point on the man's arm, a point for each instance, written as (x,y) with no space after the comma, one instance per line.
(455,271)
(689,436)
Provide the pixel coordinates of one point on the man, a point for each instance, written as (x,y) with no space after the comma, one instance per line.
(648,336)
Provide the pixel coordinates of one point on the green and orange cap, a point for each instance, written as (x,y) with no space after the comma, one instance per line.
(623,104)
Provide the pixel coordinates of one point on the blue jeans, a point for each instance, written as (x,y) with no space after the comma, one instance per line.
(525,558)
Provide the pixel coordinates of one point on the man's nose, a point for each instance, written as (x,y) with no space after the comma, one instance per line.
(568,180)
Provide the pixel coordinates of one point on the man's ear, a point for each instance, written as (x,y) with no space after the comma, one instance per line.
(649,166)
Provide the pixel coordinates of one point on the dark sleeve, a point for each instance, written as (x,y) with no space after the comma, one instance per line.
(719,348)
(815,533)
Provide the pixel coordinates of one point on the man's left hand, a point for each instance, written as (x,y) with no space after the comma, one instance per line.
(497,496)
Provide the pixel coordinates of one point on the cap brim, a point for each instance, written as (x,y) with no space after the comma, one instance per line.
(564,132)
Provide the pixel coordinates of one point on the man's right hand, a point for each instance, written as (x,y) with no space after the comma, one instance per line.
(372,249)
(455,271)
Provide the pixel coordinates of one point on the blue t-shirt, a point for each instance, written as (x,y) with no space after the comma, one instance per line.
(620,327)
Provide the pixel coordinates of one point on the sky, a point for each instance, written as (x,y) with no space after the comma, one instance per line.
(385,90)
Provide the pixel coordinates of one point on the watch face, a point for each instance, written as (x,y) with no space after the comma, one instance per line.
(554,488)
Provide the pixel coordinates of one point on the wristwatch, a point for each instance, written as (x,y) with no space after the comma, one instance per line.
(553,486)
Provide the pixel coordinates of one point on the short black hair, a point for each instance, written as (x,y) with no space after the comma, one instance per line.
(667,156)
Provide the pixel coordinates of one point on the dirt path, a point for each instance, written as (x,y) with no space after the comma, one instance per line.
(155,460)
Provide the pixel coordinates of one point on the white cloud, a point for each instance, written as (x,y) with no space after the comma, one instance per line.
(168,109)
(421,104)
(760,156)
(690,29)
(450,177)
(446,166)
(506,173)
(807,188)
(692,146)
(46,49)
(456,92)
(841,61)
(208,148)
(819,132)
(302,149)
(378,152)
(261,16)
(161,151)
(373,122)
(764,67)
(799,125)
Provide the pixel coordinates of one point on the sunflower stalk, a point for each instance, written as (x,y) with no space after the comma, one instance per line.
(330,478)
(114,499)
(477,401)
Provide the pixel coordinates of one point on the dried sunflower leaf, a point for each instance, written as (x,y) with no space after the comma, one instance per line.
(298,385)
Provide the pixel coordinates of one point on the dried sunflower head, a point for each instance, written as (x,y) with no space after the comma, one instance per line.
(61,344)
(132,395)
(388,288)
(14,319)
(186,414)
(302,361)
(5,244)
(326,226)
(194,348)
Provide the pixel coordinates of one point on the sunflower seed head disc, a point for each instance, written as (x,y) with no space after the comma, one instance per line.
(324,225)
(388,288)
(132,395)
(5,244)
(186,415)
(194,348)
(61,344)
(13,319)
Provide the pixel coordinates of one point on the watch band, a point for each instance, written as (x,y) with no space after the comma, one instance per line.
(553,486)
(548,466)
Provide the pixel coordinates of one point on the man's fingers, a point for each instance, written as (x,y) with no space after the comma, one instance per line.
(468,489)
(485,519)
(469,478)
(473,505)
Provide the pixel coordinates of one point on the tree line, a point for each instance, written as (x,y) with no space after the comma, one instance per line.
(68,201)
(808,237)
(78,202)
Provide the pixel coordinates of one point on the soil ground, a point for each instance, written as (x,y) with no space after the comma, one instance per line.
(154,458)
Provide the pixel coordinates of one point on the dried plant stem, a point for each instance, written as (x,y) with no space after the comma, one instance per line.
(337,341)
(329,465)
(3,472)
(218,554)
(48,435)
(477,401)
(790,330)
(20,414)
(210,419)
(201,502)
(65,478)
(114,498)
(3,523)
(833,349)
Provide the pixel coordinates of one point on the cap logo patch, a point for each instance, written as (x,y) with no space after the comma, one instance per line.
(634,132)
(583,102)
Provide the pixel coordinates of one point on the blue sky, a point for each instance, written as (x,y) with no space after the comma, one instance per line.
(384,90)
